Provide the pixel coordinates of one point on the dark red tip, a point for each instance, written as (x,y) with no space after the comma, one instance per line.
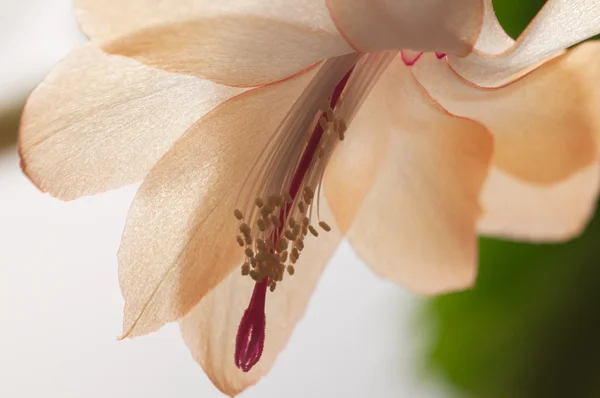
(410,58)
(250,339)
(440,55)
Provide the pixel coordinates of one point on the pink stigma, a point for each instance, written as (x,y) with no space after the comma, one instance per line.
(250,339)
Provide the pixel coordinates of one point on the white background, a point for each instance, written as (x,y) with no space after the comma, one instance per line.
(60,305)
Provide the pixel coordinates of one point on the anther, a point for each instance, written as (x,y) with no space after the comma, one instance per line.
(261,256)
(270,273)
(248,239)
(272,286)
(325,226)
(281,246)
(289,234)
(340,128)
(313,230)
(275,221)
(301,207)
(249,253)
(309,192)
(245,228)
(245,269)
(255,276)
(240,241)
(262,225)
(283,256)
(291,270)
(238,214)
(274,200)
(261,245)
(266,210)
(259,202)
(307,199)
(295,253)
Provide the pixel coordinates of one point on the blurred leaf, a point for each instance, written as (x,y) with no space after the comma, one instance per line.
(9,124)
(514,15)
(529,328)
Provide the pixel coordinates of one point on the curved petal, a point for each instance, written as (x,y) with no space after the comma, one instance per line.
(354,166)
(209,330)
(421,25)
(492,39)
(237,50)
(559,24)
(545,125)
(417,225)
(98,122)
(109,19)
(179,239)
(515,209)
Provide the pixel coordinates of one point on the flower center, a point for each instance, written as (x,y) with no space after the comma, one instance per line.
(273,227)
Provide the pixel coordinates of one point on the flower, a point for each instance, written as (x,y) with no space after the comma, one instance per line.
(233,113)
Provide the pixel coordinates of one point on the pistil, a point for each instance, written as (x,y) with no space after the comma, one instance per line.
(251,332)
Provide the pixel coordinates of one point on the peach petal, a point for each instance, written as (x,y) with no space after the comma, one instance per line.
(545,125)
(98,122)
(179,239)
(417,224)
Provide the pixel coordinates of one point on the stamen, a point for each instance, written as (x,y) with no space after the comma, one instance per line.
(286,177)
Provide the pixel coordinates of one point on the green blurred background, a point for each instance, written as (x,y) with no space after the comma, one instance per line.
(531,326)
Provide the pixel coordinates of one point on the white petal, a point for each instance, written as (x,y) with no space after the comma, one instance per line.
(559,24)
